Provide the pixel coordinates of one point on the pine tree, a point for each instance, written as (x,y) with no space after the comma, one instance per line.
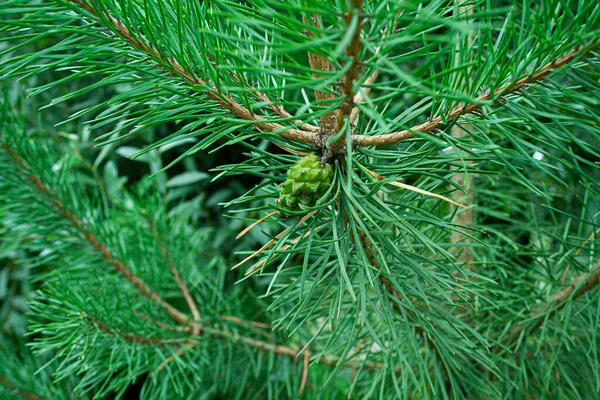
(415,215)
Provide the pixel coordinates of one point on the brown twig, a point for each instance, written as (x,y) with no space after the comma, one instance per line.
(359,97)
(184,343)
(276,108)
(498,94)
(292,352)
(175,68)
(578,286)
(320,65)
(353,52)
(215,332)
(167,360)
(304,371)
(80,226)
(240,321)
(585,242)
(11,385)
(261,345)
(132,337)
(180,283)
(389,288)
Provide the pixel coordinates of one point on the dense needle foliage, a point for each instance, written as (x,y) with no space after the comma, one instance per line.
(454,253)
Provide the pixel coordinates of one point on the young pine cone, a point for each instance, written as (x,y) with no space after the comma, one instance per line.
(306,182)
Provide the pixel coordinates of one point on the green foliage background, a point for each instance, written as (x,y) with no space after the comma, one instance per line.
(146,162)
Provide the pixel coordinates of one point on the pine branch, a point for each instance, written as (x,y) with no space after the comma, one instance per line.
(292,352)
(172,66)
(359,97)
(167,360)
(304,371)
(79,225)
(125,272)
(578,287)
(180,283)
(276,108)
(333,121)
(11,385)
(389,288)
(320,63)
(240,321)
(353,16)
(493,97)
(369,251)
(130,337)
(282,350)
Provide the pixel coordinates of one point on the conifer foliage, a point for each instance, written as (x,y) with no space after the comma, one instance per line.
(415,215)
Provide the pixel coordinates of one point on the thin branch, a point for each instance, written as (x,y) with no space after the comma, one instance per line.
(585,242)
(304,371)
(167,360)
(132,337)
(578,287)
(319,63)
(353,16)
(80,226)
(276,108)
(292,352)
(174,67)
(240,321)
(367,247)
(359,97)
(497,95)
(11,385)
(180,283)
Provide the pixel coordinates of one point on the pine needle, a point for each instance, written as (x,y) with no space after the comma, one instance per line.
(304,371)
(270,242)
(409,187)
(284,247)
(249,227)
(297,152)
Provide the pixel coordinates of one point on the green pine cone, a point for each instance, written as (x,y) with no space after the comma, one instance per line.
(306,182)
